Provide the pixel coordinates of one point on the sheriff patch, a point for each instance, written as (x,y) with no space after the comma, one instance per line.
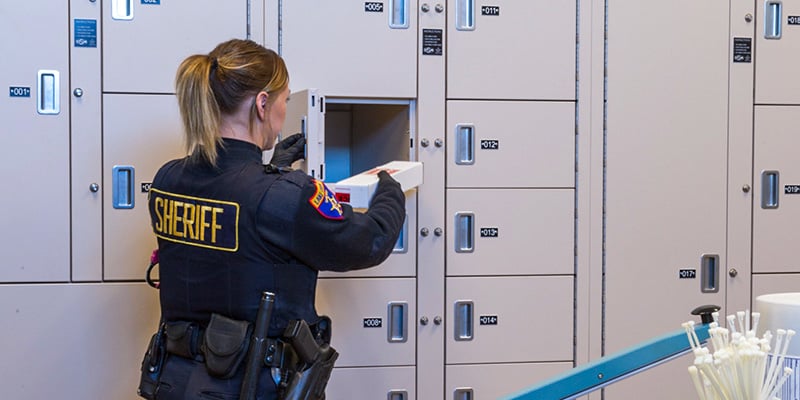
(195,221)
(324,201)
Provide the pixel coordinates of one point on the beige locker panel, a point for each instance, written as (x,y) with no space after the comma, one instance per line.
(509,319)
(351,48)
(140,134)
(494,381)
(403,260)
(76,341)
(666,176)
(35,157)
(384,383)
(776,180)
(775,283)
(373,319)
(777,35)
(669,381)
(510,144)
(143,44)
(511,50)
(510,231)
(305,113)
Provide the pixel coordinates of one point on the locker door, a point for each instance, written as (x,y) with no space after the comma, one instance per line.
(305,113)
(511,50)
(144,42)
(35,212)
(510,144)
(666,177)
(777,34)
(384,383)
(509,319)
(510,231)
(364,49)
(373,320)
(470,381)
(777,189)
(141,133)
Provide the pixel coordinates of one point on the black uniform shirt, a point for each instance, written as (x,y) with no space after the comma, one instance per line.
(229,232)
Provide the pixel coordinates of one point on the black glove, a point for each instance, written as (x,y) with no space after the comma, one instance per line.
(289,150)
(385,178)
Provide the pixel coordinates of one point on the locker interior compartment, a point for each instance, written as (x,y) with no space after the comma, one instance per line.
(360,135)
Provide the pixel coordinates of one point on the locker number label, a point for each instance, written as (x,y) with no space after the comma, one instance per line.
(376,322)
(146,187)
(490,10)
(794,20)
(490,144)
(488,319)
(490,232)
(152,2)
(687,274)
(373,6)
(791,189)
(19,91)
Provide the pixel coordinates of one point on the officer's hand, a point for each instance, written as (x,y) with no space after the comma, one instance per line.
(288,150)
(384,178)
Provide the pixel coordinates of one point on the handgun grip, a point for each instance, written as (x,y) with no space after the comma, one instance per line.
(299,335)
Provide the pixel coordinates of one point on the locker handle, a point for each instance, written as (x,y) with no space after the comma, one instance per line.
(770,181)
(401,246)
(465,232)
(462,393)
(398,322)
(465,144)
(709,273)
(49,102)
(463,317)
(122,179)
(398,14)
(397,395)
(465,15)
(122,10)
(772,19)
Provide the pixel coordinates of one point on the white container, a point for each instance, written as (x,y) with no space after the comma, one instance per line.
(782,311)
(357,190)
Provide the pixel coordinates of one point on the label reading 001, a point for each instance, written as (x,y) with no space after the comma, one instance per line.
(19,91)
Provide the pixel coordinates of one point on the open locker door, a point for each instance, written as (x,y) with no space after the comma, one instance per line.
(305,113)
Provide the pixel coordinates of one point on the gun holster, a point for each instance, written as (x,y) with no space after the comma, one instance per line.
(311,378)
(152,365)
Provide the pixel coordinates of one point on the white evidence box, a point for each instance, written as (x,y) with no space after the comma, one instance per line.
(357,190)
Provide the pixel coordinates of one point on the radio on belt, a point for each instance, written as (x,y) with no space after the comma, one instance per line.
(357,190)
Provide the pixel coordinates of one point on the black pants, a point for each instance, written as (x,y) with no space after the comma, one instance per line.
(184,379)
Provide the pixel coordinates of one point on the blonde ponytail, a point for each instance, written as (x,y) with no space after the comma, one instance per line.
(198,107)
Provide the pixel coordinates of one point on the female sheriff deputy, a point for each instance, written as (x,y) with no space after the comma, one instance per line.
(230,228)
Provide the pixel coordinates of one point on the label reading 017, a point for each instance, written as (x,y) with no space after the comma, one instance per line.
(19,91)
(687,274)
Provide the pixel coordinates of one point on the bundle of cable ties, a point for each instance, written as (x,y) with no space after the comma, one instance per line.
(739,367)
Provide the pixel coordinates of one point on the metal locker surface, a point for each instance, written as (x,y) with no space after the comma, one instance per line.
(87,339)
(403,260)
(374,320)
(775,283)
(361,49)
(35,212)
(383,383)
(142,132)
(492,381)
(776,183)
(511,50)
(666,176)
(142,54)
(510,231)
(305,113)
(510,144)
(509,319)
(777,35)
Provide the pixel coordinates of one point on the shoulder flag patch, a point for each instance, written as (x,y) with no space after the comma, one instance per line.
(324,201)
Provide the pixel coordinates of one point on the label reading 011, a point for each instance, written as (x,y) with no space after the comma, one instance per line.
(490,10)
